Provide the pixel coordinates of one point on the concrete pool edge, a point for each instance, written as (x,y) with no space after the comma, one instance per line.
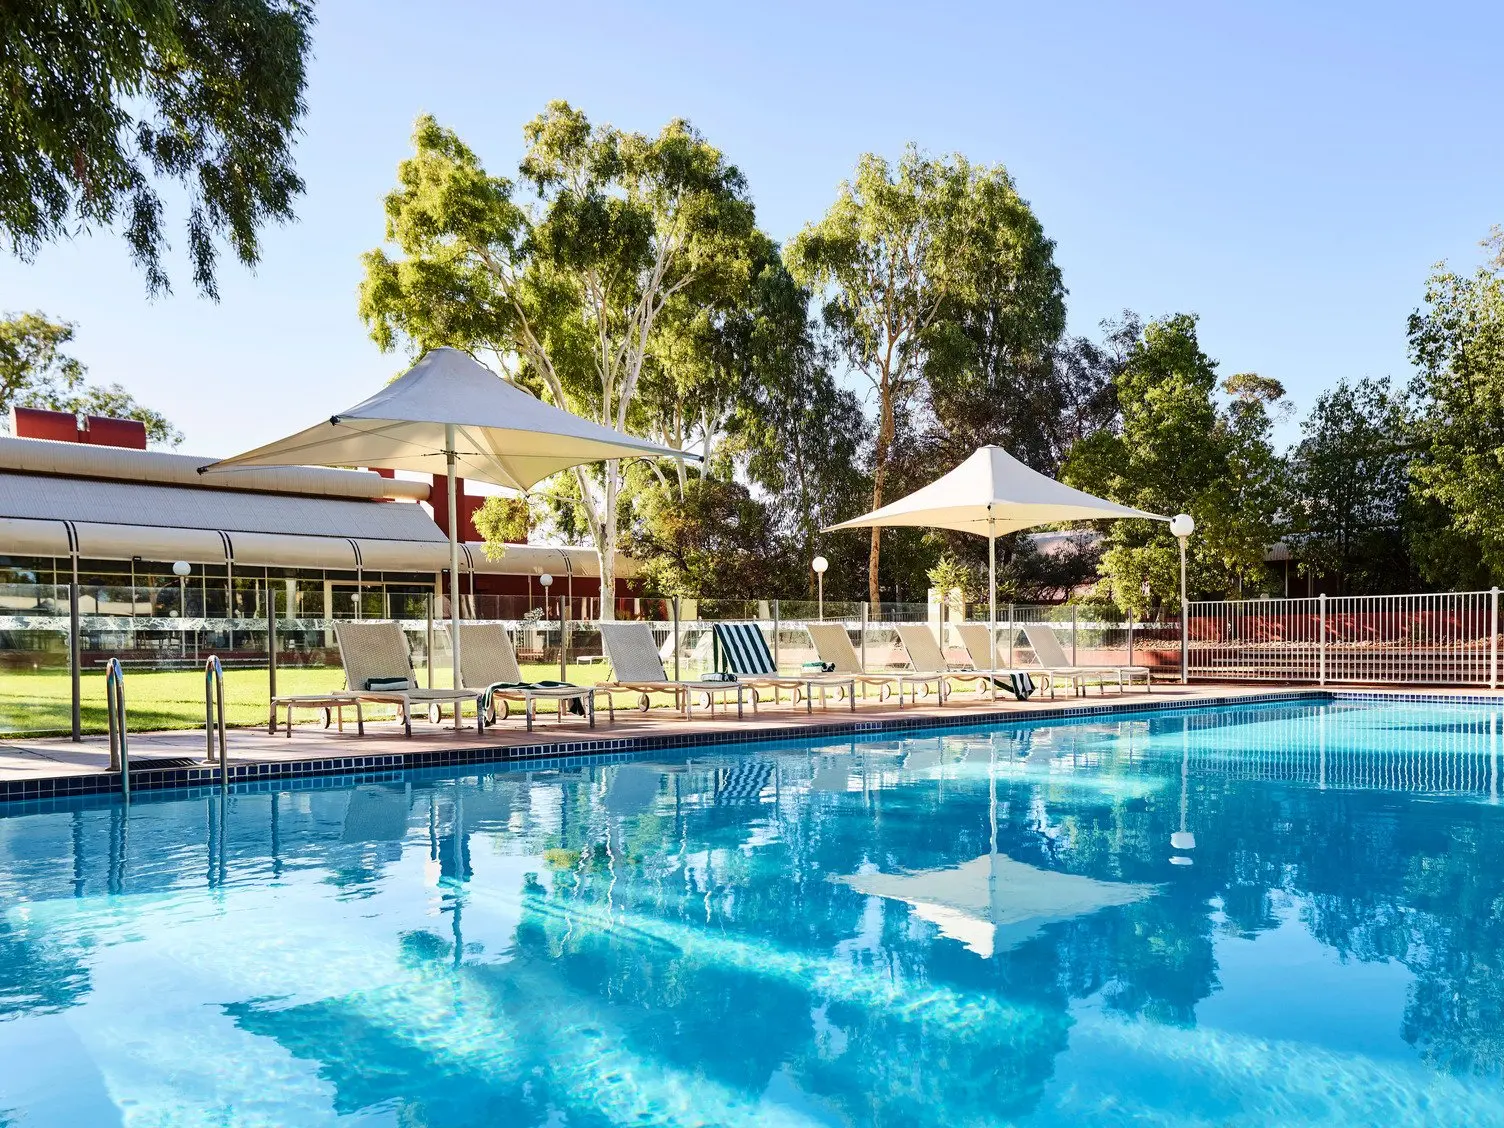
(245,777)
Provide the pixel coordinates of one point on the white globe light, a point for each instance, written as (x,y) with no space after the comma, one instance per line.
(545,579)
(1182,525)
(819,564)
(182,568)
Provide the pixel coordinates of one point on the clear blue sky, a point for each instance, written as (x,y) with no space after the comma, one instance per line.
(1289,171)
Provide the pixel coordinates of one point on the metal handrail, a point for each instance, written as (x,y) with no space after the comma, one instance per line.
(214,713)
(114,702)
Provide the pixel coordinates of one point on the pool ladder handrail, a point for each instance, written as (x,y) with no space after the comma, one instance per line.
(214,716)
(114,704)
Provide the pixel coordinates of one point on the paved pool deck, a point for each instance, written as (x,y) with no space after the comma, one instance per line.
(58,767)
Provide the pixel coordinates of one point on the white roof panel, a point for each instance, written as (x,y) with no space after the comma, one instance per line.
(41,497)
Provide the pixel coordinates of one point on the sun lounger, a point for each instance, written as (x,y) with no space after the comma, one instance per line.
(1018,682)
(637,668)
(745,653)
(833,645)
(974,638)
(1051,655)
(924,653)
(488,668)
(379,667)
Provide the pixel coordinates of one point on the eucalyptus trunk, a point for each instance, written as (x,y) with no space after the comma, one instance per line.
(885,433)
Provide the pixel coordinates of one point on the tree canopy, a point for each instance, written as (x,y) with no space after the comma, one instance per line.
(1349,480)
(107,103)
(1175,448)
(1457,345)
(936,278)
(573,286)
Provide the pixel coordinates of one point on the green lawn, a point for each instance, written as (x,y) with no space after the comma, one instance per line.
(38,701)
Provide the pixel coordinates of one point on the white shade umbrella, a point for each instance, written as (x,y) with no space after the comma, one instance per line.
(451,408)
(990,494)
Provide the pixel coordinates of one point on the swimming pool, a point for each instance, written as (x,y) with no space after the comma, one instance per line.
(1274,914)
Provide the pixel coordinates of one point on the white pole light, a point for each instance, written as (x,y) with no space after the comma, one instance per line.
(819,564)
(1182,525)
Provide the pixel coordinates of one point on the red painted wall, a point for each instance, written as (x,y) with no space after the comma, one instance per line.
(63,426)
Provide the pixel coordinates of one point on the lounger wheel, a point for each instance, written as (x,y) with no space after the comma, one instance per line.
(491,714)
(705,701)
(328,716)
(435,714)
(643,704)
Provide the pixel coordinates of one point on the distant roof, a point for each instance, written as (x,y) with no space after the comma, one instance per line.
(188,507)
(77,460)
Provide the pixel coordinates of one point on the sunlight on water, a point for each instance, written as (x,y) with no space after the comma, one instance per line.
(966,928)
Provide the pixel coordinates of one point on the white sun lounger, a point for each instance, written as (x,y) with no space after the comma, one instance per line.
(637,668)
(924,653)
(833,645)
(974,638)
(745,653)
(488,668)
(1051,655)
(377,653)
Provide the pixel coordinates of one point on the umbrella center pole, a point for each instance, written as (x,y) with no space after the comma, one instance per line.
(454,567)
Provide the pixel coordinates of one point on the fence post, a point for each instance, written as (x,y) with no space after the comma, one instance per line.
(1185,639)
(1130,638)
(866,609)
(1012,633)
(271,651)
(775,634)
(1074,631)
(1321,671)
(1493,638)
(73,662)
(676,638)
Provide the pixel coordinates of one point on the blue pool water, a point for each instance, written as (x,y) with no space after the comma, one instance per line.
(966,928)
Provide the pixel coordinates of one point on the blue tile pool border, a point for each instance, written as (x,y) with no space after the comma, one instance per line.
(253,777)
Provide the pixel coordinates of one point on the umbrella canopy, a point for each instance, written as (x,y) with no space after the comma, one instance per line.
(451,409)
(993,903)
(502,434)
(993,493)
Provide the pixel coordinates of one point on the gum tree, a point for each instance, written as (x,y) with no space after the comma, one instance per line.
(106,103)
(925,268)
(568,276)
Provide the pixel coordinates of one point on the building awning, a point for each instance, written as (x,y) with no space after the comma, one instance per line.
(138,504)
(23,536)
(121,542)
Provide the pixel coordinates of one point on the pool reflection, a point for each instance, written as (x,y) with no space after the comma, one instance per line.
(890,931)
